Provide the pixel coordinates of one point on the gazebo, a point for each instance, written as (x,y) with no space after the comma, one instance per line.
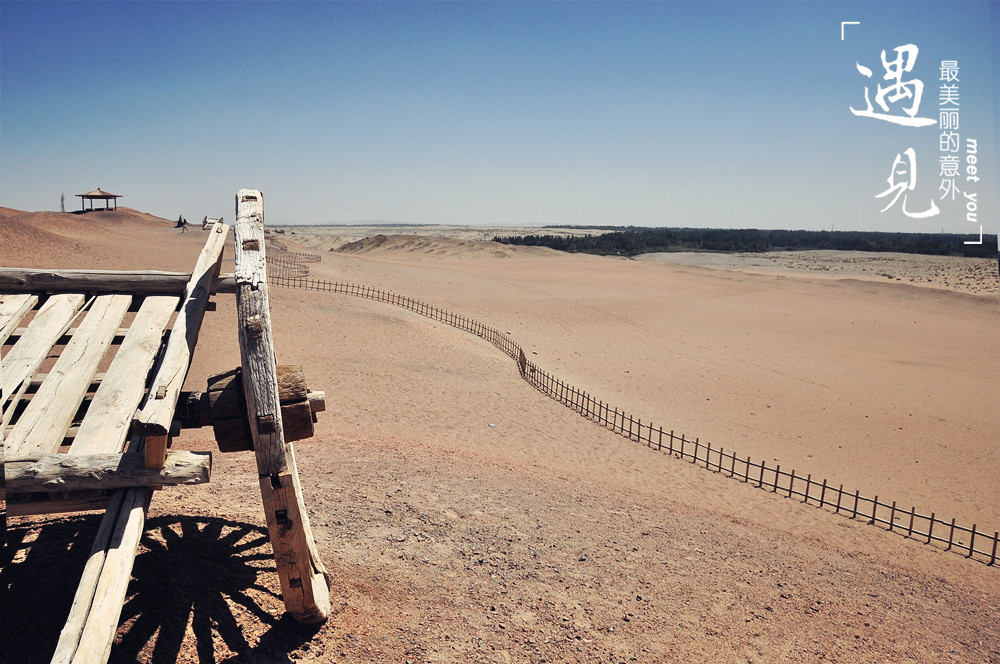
(98,194)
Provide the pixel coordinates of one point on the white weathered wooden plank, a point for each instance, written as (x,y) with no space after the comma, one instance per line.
(304,586)
(31,350)
(13,307)
(109,417)
(70,472)
(89,631)
(157,413)
(42,426)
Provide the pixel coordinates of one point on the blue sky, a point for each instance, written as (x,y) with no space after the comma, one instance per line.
(703,114)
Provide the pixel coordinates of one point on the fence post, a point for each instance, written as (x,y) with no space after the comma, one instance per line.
(694,459)
(951,535)
(856,494)
(808,485)
(930,528)
(909,532)
(993,556)
(972,539)
(791,483)
(760,481)
(777,473)
(671,448)
(874,508)
(708,455)
(682,446)
(892,516)
(659,444)
(732,466)
(822,494)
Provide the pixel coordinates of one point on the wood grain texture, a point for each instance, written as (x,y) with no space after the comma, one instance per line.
(260,385)
(303,578)
(68,472)
(146,282)
(154,419)
(89,631)
(13,307)
(30,351)
(106,425)
(42,426)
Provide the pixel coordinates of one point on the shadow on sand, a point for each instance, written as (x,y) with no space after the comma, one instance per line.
(204,572)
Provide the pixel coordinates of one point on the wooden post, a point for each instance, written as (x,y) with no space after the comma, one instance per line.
(951,535)
(972,539)
(760,481)
(682,447)
(777,473)
(303,577)
(659,444)
(993,556)
(892,516)
(874,509)
(909,531)
(808,485)
(791,483)
(822,494)
(930,528)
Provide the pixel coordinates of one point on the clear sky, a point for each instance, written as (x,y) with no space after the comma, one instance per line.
(702,114)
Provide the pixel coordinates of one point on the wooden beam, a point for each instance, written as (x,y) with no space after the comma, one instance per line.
(31,350)
(42,426)
(154,419)
(68,472)
(304,586)
(30,504)
(106,425)
(135,282)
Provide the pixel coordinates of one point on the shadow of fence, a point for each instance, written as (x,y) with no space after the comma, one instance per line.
(289,269)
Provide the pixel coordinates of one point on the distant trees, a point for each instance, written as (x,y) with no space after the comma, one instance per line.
(631,241)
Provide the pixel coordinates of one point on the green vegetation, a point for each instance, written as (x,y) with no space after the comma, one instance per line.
(631,241)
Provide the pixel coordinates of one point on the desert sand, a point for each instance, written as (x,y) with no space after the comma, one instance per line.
(465,517)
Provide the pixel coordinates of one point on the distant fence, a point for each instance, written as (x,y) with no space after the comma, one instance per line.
(286,268)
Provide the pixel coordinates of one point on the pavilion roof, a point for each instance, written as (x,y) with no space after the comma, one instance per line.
(100,193)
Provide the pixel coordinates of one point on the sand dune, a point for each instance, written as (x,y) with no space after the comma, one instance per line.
(466,517)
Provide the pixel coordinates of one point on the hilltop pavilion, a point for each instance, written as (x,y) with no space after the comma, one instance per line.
(98,194)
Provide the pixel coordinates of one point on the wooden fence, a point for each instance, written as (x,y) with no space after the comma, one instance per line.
(974,543)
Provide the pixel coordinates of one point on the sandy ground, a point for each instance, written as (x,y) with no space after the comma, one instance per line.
(464,517)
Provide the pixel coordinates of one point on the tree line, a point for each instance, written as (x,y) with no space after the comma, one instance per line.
(633,240)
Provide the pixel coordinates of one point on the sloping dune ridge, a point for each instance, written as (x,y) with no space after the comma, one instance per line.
(465,517)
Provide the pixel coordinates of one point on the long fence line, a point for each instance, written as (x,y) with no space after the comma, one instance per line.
(285,269)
